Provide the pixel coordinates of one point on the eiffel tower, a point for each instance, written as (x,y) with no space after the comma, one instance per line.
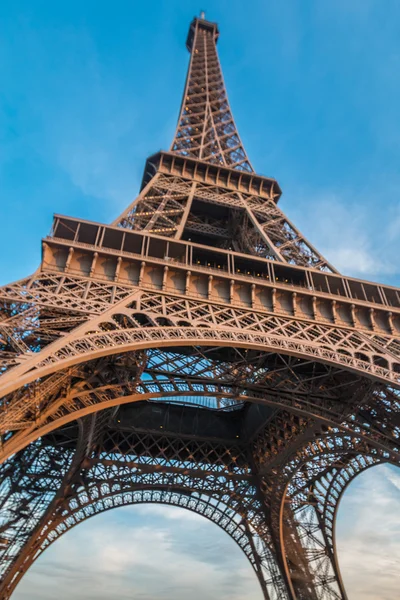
(197,352)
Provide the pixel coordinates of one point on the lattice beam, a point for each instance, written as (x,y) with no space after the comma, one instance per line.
(303,501)
(206,128)
(114,467)
(198,352)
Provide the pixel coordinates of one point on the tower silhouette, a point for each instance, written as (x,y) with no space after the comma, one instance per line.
(198,352)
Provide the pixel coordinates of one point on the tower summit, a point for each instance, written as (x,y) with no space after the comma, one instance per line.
(174,201)
(197,352)
(206,129)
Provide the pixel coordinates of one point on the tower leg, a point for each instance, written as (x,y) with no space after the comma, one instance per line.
(302,490)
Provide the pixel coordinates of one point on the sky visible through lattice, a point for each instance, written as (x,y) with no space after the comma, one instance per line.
(90,89)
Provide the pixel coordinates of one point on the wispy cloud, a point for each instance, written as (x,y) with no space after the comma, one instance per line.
(369,535)
(144,552)
(355,236)
(86,118)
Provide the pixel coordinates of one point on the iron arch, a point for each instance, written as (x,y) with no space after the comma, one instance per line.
(97,344)
(81,400)
(302,506)
(84,500)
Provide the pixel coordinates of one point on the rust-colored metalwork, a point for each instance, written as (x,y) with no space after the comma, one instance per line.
(197,352)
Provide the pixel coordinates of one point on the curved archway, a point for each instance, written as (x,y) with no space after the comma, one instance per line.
(224,510)
(367,542)
(306,497)
(204,468)
(96,344)
(66,395)
(213,509)
(230,341)
(154,551)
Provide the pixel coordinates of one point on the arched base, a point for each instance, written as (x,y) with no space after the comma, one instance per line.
(278,505)
(123,466)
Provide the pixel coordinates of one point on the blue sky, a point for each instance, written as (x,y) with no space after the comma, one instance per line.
(90,88)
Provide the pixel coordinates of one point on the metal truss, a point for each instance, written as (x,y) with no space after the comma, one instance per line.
(206,129)
(186,199)
(144,320)
(280,512)
(176,207)
(198,352)
(303,491)
(114,466)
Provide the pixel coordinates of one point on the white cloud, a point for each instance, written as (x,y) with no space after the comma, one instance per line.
(368,535)
(145,553)
(166,512)
(352,233)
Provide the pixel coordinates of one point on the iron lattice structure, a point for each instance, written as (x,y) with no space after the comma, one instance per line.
(198,352)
